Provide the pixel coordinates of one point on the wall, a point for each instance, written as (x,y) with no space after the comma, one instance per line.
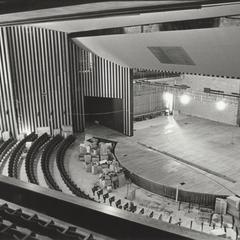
(37,86)
(43,81)
(8,121)
(104,79)
(147,98)
(203,104)
(107,111)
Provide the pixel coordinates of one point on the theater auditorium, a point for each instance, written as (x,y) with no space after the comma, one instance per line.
(119,120)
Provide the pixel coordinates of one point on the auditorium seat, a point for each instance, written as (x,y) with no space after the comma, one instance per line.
(31,154)
(36,225)
(45,161)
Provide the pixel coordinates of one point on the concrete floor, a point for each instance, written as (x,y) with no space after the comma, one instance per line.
(207,143)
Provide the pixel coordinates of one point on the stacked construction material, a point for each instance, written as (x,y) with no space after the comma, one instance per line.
(221,206)
(233,206)
(99,158)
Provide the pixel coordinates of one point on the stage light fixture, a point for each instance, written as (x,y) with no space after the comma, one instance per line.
(185,99)
(221,105)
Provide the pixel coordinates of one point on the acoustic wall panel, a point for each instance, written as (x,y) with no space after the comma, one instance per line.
(8,120)
(102,78)
(77,96)
(40,75)
(44,77)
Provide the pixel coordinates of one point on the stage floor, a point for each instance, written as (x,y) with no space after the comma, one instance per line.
(201,153)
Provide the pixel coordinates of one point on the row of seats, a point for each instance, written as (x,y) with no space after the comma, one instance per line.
(6,147)
(38,225)
(29,162)
(64,174)
(45,161)
(15,156)
(10,232)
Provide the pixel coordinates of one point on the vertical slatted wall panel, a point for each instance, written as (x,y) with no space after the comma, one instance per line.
(77,94)
(102,78)
(8,120)
(35,79)
(44,78)
(41,77)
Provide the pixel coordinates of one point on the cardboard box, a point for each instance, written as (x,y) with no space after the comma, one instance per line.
(111,167)
(233,211)
(94,169)
(107,183)
(104,166)
(88,167)
(220,206)
(131,195)
(82,149)
(234,201)
(103,148)
(100,170)
(231,234)
(121,179)
(87,158)
(103,157)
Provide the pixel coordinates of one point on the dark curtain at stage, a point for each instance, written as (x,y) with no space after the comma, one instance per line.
(107,111)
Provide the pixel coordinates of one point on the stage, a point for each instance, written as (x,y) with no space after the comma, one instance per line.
(189,153)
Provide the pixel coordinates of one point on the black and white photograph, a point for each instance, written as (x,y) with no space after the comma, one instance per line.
(119,120)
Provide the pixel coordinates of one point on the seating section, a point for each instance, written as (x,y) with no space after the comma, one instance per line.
(64,174)
(6,148)
(15,156)
(29,162)
(20,220)
(45,161)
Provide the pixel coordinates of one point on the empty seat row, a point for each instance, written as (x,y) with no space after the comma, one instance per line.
(10,232)
(15,156)
(40,226)
(45,161)
(29,162)
(64,174)
(5,144)
(6,148)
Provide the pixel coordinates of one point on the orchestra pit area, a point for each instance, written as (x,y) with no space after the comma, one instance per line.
(156,174)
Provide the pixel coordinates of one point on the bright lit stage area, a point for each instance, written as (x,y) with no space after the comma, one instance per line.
(198,156)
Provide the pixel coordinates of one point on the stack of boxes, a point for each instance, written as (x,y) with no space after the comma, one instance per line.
(98,158)
(233,206)
(221,206)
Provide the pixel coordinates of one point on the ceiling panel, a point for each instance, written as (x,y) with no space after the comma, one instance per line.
(214,51)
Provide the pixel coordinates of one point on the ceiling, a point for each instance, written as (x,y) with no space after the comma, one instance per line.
(80,25)
(33,11)
(214,51)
